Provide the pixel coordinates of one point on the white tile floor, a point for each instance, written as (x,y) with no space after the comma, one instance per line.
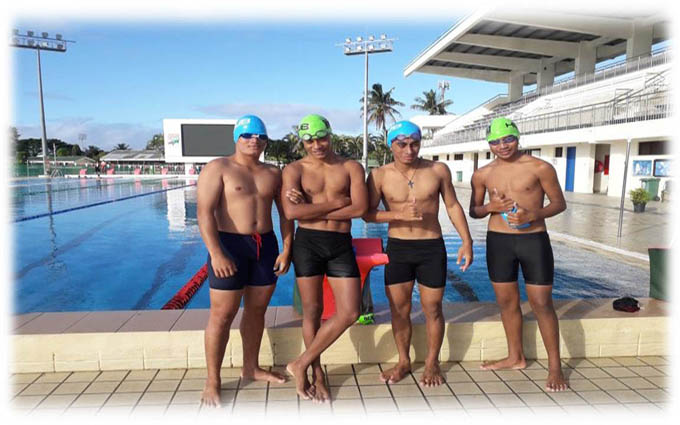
(638,384)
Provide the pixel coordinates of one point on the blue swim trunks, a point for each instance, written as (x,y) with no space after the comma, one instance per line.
(254,256)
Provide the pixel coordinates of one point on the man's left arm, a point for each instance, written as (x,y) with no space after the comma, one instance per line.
(287,226)
(456,214)
(358,194)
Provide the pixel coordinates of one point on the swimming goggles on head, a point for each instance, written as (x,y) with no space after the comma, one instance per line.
(506,140)
(414,136)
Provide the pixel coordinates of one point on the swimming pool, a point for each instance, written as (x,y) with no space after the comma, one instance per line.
(131,243)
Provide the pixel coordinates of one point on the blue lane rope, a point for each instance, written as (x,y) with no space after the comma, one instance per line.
(33,217)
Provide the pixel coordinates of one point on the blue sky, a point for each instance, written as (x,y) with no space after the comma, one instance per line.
(122,77)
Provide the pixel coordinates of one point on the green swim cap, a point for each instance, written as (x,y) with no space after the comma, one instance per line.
(501,127)
(312,126)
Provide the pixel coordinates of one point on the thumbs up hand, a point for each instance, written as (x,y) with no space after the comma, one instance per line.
(499,203)
(410,211)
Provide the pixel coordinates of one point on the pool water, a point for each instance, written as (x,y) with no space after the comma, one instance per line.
(135,253)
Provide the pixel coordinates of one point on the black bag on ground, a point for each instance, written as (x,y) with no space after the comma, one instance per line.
(627,304)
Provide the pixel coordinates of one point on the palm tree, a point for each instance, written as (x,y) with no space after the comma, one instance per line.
(381,108)
(122,147)
(430,104)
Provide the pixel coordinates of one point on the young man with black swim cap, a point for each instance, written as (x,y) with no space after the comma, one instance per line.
(410,188)
(323,191)
(235,196)
(517,236)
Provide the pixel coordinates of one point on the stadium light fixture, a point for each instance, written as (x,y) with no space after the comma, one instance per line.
(30,41)
(366,47)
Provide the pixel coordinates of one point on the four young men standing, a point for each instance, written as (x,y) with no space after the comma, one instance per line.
(324,191)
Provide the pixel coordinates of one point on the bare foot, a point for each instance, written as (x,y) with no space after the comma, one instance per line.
(259,374)
(302,387)
(506,363)
(556,381)
(396,374)
(211,394)
(321,393)
(432,376)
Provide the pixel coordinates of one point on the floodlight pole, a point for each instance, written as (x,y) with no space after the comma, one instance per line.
(42,117)
(29,41)
(366,46)
(365,150)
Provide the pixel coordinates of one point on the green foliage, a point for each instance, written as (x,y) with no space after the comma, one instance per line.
(431,104)
(639,196)
(94,152)
(157,143)
(64,151)
(122,147)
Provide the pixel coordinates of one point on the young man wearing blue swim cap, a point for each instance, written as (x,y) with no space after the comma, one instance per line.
(323,191)
(235,196)
(517,236)
(410,188)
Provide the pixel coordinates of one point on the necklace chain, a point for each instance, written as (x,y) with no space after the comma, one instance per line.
(410,181)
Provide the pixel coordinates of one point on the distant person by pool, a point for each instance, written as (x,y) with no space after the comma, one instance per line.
(517,236)
(410,188)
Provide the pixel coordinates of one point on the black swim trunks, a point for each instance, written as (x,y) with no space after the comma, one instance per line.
(505,252)
(319,252)
(420,259)
(254,256)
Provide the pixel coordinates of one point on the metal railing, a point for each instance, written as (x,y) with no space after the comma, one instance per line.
(635,108)
(621,67)
(657,57)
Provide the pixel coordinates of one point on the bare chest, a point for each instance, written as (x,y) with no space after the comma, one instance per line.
(513,182)
(325,180)
(240,183)
(423,186)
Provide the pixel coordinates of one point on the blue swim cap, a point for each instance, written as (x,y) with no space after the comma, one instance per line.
(403,129)
(248,124)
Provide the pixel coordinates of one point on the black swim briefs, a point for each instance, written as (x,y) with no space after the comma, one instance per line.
(420,259)
(319,252)
(505,252)
(254,256)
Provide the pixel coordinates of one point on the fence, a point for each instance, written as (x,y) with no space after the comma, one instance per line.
(33,170)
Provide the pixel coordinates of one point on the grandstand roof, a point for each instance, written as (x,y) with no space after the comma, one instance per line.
(490,44)
(130,155)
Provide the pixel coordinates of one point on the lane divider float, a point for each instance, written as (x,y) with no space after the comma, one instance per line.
(182,297)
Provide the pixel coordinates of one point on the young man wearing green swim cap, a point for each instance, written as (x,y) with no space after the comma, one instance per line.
(517,236)
(410,188)
(235,196)
(323,191)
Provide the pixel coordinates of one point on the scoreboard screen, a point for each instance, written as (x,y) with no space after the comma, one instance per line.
(203,140)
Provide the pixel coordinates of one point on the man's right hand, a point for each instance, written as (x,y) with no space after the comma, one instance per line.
(223,266)
(410,211)
(498,203)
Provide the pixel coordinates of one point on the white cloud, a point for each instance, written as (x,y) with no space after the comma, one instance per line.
(104,135)
(279,118)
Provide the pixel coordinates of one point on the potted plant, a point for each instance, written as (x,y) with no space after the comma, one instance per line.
(639,197)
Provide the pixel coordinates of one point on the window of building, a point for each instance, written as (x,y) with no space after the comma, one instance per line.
(447,156)
(457,156)
(488,155)
(653,148)
(533,152)
(435,157)
(558,152)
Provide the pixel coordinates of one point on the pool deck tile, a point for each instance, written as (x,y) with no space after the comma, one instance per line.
(103,321)
(51,323)
(151,320)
